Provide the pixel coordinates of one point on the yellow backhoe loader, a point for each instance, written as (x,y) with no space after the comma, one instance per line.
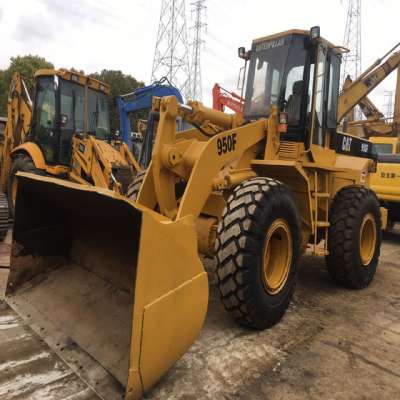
(117,287)
(64,132)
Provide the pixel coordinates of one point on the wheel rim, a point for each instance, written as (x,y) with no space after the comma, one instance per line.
(367,239)
(277,256)
(14,187)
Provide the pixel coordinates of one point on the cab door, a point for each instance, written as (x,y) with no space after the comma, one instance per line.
(72,100)
(324,106)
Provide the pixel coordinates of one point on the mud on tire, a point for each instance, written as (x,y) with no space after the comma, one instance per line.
(254,207)
(351,207)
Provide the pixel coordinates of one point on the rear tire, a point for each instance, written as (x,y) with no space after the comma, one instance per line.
(354,237)
(21,163)
(4,216)
(258,250)
(136,184)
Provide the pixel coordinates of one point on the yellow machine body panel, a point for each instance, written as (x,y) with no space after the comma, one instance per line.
(386,181)
(386,144)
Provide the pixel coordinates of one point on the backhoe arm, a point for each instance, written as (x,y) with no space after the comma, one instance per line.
(223,98)
(102,164)
(368,108)
(19,115)
(369,80)
(396,114)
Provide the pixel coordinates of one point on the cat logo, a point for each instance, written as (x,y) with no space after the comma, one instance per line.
(346,144)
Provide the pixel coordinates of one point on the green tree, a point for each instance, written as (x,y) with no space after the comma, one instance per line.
(120,83)
(26,66)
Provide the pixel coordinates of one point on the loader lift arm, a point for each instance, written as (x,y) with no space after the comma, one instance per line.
(367,81)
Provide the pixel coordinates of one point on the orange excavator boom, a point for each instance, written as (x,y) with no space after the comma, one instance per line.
(224,98)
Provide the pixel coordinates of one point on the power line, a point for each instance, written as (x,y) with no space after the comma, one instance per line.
(198,28)
(389,106)
(171,54)
(352,41)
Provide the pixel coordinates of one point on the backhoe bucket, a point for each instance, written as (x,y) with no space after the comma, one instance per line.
(116,289)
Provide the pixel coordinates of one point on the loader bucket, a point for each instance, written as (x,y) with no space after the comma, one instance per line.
(116,289)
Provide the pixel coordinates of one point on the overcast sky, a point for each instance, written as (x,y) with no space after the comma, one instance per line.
(121,34)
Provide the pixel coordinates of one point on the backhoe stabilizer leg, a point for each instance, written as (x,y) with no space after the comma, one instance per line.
(122,282)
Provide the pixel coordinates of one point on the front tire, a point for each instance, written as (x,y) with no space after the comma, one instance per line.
(136,184)
(258,250)
(354,237)
(4,216)
(21,163)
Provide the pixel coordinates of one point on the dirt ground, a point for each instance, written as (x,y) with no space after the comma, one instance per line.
(333,343)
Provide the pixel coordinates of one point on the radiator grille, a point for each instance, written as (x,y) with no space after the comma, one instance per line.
(288,150)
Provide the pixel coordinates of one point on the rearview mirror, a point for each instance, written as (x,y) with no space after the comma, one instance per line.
(315,33)
(242,53)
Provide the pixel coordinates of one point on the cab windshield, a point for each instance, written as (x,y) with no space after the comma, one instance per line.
(276,77)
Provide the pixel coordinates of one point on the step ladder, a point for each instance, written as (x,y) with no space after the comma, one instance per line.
(318,197)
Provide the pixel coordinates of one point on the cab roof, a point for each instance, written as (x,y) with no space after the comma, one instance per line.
(75,77)
(301,32)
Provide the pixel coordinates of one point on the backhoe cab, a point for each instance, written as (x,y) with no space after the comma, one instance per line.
(253,192)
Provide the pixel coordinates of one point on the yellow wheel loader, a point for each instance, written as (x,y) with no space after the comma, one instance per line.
(117,287)
(64,132)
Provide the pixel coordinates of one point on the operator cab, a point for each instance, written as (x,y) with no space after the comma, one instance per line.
(282,72)
(67,103)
